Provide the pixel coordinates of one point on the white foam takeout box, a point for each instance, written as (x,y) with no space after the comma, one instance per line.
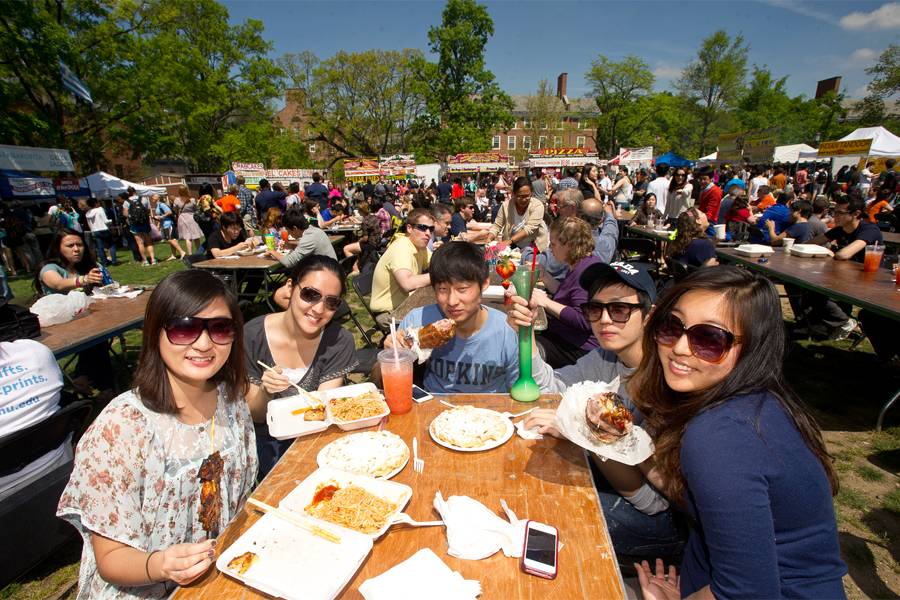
(754,250)
(295,564)
(283,425)
(809,251)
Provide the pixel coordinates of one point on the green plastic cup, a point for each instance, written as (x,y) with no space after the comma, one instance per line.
(525,389)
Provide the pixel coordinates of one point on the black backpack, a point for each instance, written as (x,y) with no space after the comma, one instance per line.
(138,214)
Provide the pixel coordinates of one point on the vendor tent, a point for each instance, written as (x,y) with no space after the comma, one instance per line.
(884,143)
(104,185)
(673,160)
(783,154)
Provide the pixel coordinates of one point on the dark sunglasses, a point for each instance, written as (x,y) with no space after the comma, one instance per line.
(707,342)
(619,312)
(423,227)
(314,296)
(186,330)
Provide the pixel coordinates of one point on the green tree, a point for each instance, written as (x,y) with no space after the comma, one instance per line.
(713,82)
(886,73)
(464,102)
(617,87)
(263,143)
(366,103)
(544,111)
(299,68)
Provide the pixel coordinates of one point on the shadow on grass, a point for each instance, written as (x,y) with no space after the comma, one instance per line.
(861,566)
(889,460)
(845,388)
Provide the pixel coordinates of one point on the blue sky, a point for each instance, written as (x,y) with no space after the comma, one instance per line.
(807,41)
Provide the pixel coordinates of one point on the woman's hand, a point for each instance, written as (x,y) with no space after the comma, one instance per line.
(544,419)
(662,585)
(274,381)
(94,276)
(182,563)
(539,298)
(519,314)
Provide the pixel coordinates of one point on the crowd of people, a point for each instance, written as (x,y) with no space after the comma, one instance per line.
(738,492)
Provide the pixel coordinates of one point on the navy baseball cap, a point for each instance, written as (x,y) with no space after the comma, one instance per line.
(632,274)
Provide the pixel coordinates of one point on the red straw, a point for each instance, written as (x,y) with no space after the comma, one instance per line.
(534,252)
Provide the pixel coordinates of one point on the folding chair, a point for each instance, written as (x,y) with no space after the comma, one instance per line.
(362,285)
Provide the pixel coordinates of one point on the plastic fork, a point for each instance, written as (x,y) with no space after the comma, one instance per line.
(418,463)
(508,415)
(405,518)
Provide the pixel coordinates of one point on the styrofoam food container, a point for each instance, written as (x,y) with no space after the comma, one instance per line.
(809,251)
(754,250)
(352,390)
(302,495)
(293,563)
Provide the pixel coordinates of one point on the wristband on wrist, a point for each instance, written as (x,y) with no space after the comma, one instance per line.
(77,282)
(147,566)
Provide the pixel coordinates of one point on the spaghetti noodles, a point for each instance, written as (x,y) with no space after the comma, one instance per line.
(351,507)
(363,406)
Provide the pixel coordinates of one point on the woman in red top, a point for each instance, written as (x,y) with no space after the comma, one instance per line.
(457,191)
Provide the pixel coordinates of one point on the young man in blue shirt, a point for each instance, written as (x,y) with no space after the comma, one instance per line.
(483,356)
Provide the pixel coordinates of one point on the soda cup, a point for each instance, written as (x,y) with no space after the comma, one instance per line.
(107,278)
(397,376)
(872,258)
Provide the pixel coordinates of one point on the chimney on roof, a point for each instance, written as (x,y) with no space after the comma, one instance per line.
(561,88)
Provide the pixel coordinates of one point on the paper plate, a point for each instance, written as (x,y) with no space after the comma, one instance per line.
(322,457)
(510,429)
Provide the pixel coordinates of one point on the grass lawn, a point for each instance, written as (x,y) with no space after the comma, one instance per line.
(844,387)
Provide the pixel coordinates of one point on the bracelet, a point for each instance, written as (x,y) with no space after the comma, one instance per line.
(147,566)
(77,282)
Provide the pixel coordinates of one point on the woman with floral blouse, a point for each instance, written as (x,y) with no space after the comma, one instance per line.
(135,491)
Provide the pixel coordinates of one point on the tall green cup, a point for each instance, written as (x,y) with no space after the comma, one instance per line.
(525,389)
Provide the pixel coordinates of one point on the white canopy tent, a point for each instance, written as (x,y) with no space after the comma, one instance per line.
(104,185)
(884,143)
(783,154)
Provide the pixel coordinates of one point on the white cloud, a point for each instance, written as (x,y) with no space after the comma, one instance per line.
(885,17)
(801,8)
(860,92)
(666,71)
(863,56)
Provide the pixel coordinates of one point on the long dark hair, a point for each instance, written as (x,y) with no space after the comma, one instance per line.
(184,294)
(54,256)
(688,230)
(756,311)
(318,262)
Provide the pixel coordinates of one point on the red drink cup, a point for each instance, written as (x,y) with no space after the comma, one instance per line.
(873,258)
(397,376)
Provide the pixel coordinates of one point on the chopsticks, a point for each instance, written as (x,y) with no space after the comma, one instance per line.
(313,529)
(303,392)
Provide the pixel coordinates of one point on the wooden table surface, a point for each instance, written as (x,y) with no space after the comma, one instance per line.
(103,320)
(647,232)
(256,262)
(842,280)
(546,480)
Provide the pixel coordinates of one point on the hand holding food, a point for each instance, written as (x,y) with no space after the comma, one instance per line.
(182,563)
(402,340)
(433,335)
(94,276)
(608,417)
(274,380)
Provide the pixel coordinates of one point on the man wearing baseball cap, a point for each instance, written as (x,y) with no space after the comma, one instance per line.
(621,296)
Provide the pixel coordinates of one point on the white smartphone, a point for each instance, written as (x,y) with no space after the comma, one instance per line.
(540,551)
(420,395)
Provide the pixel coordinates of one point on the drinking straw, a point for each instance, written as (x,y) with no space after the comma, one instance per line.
(394,340)
(534,252)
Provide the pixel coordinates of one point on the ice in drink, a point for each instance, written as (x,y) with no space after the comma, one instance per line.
(397,376)
(873,258)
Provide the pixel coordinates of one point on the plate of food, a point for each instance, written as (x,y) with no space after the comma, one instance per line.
(379,454)
(273,555)
(620,439)
(349,407)
(470,429)
(294,416)
(358,503)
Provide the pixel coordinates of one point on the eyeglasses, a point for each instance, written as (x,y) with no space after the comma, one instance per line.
(314,296)
(707,342)
(183,331)
(679,174)
(423,227)
(619,312)
(842,212)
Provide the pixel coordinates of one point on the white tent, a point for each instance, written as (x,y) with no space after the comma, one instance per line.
(884,143)
(783,154)
(104,185)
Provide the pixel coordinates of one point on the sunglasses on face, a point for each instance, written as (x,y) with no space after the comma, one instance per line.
(187,330)
(314,296)
(619,312)
(707,342)
(423,227)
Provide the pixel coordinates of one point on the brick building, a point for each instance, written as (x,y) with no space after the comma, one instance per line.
(574,130)
(294,119)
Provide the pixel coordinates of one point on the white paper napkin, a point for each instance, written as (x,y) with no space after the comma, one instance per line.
(422,575)
(474,532)
(528,434)
(572,423)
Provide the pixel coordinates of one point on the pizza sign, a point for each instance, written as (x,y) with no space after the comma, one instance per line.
(562,152)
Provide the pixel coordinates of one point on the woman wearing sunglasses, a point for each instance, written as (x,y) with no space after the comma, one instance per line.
(735,448)
(302,345)
(135,491)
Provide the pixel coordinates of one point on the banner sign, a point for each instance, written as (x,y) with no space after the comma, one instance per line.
(479,157)
(562,152)
(878,167)
(238,166)
(759,146)
(730,147)
(201,179)
(32,186)
(67,184)
(845,148)
(636,155)
(26,158)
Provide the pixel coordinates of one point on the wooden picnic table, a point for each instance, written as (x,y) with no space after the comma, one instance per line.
(259,264)
(648,232)
(547,480)
(841,280)
(102,321)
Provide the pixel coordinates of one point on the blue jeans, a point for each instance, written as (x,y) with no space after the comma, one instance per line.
(268,449)
(103,240)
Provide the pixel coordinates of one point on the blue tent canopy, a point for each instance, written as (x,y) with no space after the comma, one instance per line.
(673,160)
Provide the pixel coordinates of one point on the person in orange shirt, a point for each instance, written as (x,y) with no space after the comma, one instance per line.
(766,199)
(880,204)
(229,202)
(779,179)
